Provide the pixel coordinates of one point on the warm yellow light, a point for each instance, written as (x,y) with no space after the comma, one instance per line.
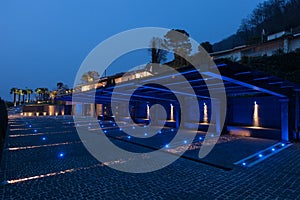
(205,115)
(50,113)
(62,112)
(30,114)
(37,114)
(148,111)
(21,113)
(255,115)
(44,113)
(56,113)
(172,112)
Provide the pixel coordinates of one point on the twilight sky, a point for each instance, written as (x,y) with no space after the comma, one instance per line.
(43,42)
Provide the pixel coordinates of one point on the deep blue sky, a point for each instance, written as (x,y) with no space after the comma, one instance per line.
(43,42)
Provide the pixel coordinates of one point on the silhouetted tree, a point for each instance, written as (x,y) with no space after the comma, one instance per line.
(59,85)
(43,93)
(14,91)
(28,93)
(158,55)
(207,46)
(90,76)
(23,93)
(19,93)
(178,41)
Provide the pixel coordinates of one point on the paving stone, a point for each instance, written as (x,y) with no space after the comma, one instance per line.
(277,177)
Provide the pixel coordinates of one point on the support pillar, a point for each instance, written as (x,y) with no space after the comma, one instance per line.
(284,119)
(177,113)
(297,107)
(79,109)
(216,106)
(92,110)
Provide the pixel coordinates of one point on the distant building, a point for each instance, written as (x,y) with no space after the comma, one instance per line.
(282,41)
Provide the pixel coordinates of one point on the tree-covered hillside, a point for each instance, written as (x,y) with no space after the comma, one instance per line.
(286,66)
(267,18)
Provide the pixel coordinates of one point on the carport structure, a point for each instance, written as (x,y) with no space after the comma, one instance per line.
(242,85)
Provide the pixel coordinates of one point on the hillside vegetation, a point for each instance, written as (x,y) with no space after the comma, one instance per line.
(269,17)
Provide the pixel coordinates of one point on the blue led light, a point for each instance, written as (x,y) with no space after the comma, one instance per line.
(145,134)
(105,131)
(212,135)
(114,124)
(69,122)
(159,132)
(120,129)
(282,144)
(200,138)
(244,164)
(273,149)
(89,127)
(61,155)
(43,138)
(145,126)
(30,126)
(90,124)
(167,146)
(102,126)
(185,142)
(172,129)
(133,127)
(128,136)
(260,155)
(35,130)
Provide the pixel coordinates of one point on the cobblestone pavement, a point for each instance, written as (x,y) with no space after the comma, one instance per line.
(44,158)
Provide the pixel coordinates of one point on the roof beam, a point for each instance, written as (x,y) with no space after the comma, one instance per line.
(244,84)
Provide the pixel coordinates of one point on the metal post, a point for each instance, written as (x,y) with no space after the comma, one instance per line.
(284,119)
